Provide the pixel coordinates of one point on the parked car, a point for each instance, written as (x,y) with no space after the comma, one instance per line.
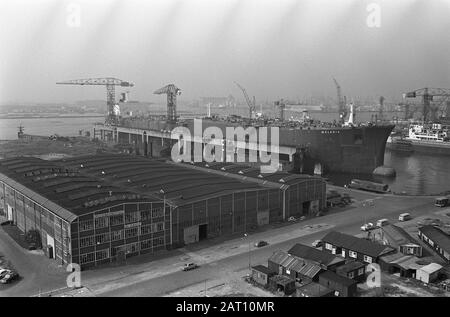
(317,244)
(3,272)
(260,244)
(9,277)
(404,217)
(7,222)
(367,226)
(382,222)
(190,266)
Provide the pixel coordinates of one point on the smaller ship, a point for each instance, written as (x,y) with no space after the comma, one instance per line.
(399,144)
(431,138)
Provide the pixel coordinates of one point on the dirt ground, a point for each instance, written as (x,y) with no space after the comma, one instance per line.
(231,286)
(394,286)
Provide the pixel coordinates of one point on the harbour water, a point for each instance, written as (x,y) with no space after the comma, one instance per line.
(417,174)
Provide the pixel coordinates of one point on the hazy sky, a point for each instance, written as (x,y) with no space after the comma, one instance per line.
(274,48)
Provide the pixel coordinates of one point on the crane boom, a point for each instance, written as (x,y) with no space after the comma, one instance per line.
(341,102)
(251,105)
(110,83)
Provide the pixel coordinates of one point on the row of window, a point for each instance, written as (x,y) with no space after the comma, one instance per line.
(128,248)
(105,221)
(351,254)
(121,234)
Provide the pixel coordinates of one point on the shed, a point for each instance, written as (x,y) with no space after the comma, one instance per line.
(429,273)
(343,287)
(282,283)
(261,274)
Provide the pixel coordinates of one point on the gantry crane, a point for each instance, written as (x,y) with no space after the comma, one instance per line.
(171,91)
(281,105)
(251,104)
(341,102)
(110,83)
(437,95)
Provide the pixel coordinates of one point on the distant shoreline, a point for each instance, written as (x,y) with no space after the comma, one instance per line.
(51,117)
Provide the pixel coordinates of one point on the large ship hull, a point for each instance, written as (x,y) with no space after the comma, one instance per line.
(358,149)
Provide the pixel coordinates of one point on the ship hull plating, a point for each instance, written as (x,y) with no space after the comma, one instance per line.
(341,149)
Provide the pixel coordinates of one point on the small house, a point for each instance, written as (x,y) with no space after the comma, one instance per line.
(351,247)
(326,260)
(437,239)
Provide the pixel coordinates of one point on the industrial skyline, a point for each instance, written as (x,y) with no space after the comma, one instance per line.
(273,48)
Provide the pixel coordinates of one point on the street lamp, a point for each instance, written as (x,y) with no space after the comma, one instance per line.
(249,246)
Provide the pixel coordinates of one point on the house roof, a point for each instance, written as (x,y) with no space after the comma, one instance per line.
(437,236)
(301,266)
(350,266)
(262,269)
(329,275)
(431,268)
(359,245)
(406,262)
(397,236)
(310,253)
(314,290)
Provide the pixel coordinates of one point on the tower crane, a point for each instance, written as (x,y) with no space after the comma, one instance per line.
(110,83)
(429,95)
(171,91)
(251,104)
(281,105)
(341,102)
(381,110)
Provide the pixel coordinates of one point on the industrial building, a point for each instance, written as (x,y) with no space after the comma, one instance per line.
(97,209)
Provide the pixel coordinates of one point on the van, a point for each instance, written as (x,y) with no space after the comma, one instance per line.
(404,217)
(441,202)
(382,222)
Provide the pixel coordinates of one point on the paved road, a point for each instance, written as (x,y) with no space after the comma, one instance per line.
(37,272)
(347,222)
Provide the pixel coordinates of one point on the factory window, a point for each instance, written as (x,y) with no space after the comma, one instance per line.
(116,235)
(131,232)
(328,246)
(102,238)
(87,241)
(145,215)
(132,247)
(102,254)
(86,225)
(367,259)
(146,244)
(352,254)
(116,220)
(132,217)
(157,212)
(146,229)
(351,274)
(361,271)
(101,222)
(159,226)
(86,258)
(158,242)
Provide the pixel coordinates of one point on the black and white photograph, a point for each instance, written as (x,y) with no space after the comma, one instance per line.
(226,155)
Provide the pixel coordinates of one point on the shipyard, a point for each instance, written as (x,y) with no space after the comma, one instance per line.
(248,151)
